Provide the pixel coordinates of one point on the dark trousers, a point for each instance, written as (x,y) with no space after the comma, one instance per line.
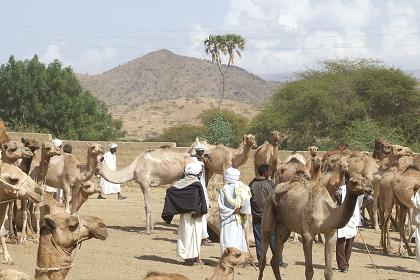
(258,241)
(343,252)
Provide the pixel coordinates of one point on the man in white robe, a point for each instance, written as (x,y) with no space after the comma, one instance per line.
(234,209)
(345,235)
(190,224)
(415,199)
(110,159)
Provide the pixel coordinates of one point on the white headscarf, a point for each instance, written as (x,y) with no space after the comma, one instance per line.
(112,145)
(57,142)
(200,147)
(232,175)
(193,168)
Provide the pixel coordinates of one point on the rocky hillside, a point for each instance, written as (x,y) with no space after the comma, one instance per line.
(163,75)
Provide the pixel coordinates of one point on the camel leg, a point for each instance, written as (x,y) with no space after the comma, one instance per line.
(401,229)
(330,243)
(37,221)
(74,193)
(147,207)
(268,224)
(282,233)
(375,223)
(11,218)
(307,241)
(3,233)
(24,208)
(385,237)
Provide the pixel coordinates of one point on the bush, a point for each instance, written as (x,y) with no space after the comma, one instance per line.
(219,131)
(182,134)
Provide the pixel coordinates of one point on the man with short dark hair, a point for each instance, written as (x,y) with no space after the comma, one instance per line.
(261,187)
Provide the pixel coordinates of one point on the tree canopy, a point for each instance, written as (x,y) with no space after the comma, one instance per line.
(49,98)
(353,101)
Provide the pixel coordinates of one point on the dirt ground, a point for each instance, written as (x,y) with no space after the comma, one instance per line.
(130,254)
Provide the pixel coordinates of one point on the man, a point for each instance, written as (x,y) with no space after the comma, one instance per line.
(415,199)
(345,235)
(234,209)
(199,153)
(186,197)
(110,159)
(261,187)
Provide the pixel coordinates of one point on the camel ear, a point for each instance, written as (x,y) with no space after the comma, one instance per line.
(48,223)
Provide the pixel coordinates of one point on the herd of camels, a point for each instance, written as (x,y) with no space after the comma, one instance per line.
(303,201)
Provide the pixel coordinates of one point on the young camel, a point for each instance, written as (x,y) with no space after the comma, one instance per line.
(267,153)
(61,233)
(231,257)
(15,184)
(153,168)
(66,172)
(306,207)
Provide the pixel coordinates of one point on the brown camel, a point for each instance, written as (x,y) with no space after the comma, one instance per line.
(313,164)
(14,184)
(153,168)
(267,153)
(61,234)
(304,206)
(66,172)
(3,136)
(292,165)
(220,158)
(231,257)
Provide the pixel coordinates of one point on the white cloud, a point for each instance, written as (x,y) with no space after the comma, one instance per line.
(94,60)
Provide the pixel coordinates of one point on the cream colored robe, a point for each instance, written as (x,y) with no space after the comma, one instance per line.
(416,221)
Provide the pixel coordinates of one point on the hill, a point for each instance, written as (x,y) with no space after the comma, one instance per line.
(161,88)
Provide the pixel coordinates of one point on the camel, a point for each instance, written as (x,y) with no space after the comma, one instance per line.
(11,152)
(267,153)
(3,136)
(290,167)
(152,168)
(33,145)
(66,172)
(61,234)
(220,158)
(313,164)
(14,184)
(231,257)
(305,206)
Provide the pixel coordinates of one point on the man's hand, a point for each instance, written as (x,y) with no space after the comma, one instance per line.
(195,215)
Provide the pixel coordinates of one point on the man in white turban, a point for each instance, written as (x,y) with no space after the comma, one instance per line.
(110,159)
(415,199)
(234,209)
(186,198)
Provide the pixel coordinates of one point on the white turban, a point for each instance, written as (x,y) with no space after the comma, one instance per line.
(200,147)
(193,168)
(112,146)
(232,175)
(57,142)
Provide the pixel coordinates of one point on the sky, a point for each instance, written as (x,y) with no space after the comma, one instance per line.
(282,37)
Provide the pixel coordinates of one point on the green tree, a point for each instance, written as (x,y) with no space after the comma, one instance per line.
(324,104)
(49,98)
(228,45)
(219,131)
(182,134)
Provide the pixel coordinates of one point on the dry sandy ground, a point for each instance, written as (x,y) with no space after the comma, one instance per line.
(128,254)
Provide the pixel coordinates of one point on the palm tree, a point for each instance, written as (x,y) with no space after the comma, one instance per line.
(218,45)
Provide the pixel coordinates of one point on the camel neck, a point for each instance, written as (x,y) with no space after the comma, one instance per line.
(52,256)
(342,214)
(26,164)
(241,155)
(87,170)
(43,169)
(222,272)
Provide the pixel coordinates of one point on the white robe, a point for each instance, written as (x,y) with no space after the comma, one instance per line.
(110,160)
(189,236)
(232,232)
(350,229)
(204,233)
(416,221)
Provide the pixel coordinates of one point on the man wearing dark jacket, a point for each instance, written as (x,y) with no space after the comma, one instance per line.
(261,187)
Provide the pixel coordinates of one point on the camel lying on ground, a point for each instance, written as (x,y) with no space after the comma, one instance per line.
(14,184)
(153,168)
(66,172)
(267,153)
(231,257)
(305,206)
(61,233)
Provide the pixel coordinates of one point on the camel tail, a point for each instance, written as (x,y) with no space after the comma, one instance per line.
(121,176)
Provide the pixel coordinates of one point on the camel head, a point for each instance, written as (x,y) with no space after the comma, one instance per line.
(313,150)
(32,144)
(358,184)
(50,149)
(67,231)
(19,184)
(95,150)
(233,257)
(11,152)
(400,151)
(88,188)
(249,141)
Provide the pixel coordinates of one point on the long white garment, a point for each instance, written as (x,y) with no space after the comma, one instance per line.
(350,230)
(416,221)
(110,160)
(189,236)
(232,232)
(204,233)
